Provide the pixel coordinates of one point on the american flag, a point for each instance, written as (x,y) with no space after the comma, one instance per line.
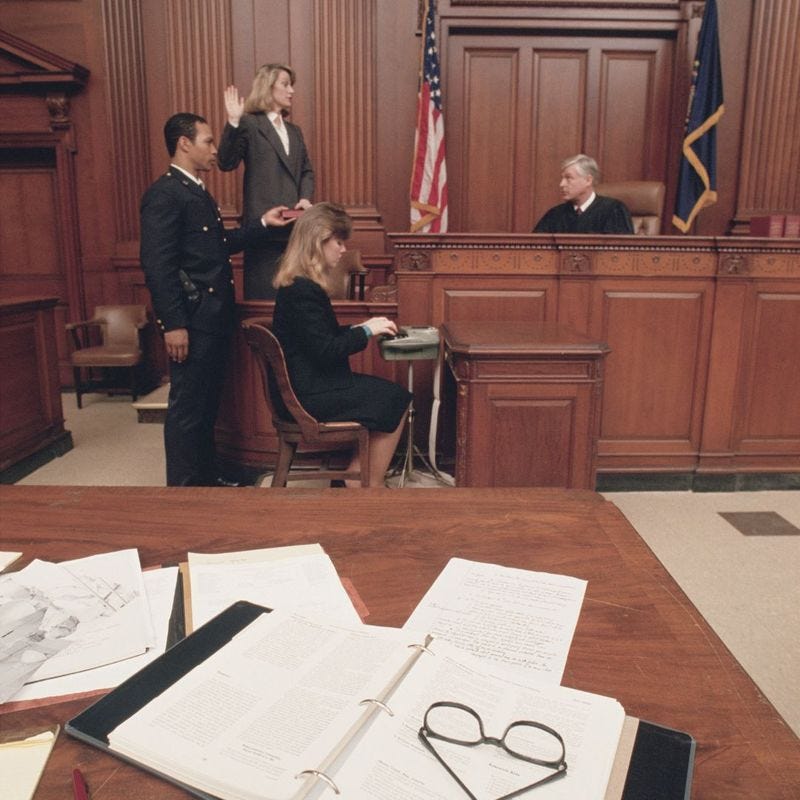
(429,176)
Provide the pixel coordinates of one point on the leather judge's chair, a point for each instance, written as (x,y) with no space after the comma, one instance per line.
(293,424)
(119,353)
(644,199)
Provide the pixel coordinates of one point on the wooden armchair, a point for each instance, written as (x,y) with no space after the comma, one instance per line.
(644,199)
(121,349)
(293,424)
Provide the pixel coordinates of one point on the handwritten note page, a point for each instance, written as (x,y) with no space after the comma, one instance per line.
(391,762)
(274,701)
(504,615)
(308,584)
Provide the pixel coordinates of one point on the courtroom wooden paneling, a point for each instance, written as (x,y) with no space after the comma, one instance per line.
(702,334)
(31,417)
(521,102)
(658,331)
(772,115)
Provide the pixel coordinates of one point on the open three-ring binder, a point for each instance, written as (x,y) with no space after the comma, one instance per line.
(266,705)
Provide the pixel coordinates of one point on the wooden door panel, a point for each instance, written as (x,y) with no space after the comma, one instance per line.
(517,104)
(770,410)
(557,125)
(29,245)
(511,305)
(655,375)
(546,426)
(490,78)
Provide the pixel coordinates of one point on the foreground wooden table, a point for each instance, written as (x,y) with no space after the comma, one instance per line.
(638,639)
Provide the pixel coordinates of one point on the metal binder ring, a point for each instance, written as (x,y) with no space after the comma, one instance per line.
(377,703)
(317,774)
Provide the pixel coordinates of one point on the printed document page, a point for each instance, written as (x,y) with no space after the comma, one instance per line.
(307,584)
(503,614)
(391,762)
(273,702)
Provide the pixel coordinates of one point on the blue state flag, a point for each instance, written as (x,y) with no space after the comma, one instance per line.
(697,180)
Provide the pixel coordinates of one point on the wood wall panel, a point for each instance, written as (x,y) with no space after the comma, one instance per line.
(31,417)
(344,36)
(522,102)
(626,112)
(558,120)
(703,334)
(770,411)
(490,95)
(513,305)
(545,425)
(656,335)
(28,203)
(770,172)
(127,105)
(198,65)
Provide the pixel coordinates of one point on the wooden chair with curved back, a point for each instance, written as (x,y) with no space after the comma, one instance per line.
(293,424)
(644,199)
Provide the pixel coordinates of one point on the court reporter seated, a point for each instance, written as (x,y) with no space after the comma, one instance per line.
(317,348)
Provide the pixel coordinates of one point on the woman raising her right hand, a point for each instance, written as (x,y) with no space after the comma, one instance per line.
(317,349)
(277,169)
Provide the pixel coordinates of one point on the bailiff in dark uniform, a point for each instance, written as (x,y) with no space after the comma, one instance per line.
(185,255)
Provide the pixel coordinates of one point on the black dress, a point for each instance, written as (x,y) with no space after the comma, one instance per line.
(604,215)
(317,351)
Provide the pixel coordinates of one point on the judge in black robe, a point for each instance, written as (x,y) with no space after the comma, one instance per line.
(603,215)
(584,211)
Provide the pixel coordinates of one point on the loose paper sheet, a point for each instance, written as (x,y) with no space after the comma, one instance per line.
(58,619)
(503,614)
(307,584)
(160,587)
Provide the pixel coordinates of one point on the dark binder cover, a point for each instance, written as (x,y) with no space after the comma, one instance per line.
(661,764)
(659,768)
(95,723)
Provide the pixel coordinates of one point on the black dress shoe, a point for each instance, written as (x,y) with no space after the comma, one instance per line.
(223,482)
(338,484)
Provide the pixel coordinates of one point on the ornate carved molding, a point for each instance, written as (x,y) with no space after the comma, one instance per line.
(414,261)
(573,263)
(58,108)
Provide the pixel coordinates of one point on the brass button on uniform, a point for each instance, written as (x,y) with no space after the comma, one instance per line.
(205,227)
(211,290)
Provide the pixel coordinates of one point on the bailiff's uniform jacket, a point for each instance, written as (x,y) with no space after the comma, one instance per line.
(185,254)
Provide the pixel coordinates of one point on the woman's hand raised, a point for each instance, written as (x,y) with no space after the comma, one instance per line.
(234,105)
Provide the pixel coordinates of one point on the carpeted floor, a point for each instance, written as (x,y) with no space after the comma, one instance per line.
(746,586)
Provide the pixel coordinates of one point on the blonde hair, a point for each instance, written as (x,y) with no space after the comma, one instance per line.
(260,97)
(304,256)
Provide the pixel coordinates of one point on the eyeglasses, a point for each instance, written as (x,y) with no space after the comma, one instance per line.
(526,740)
